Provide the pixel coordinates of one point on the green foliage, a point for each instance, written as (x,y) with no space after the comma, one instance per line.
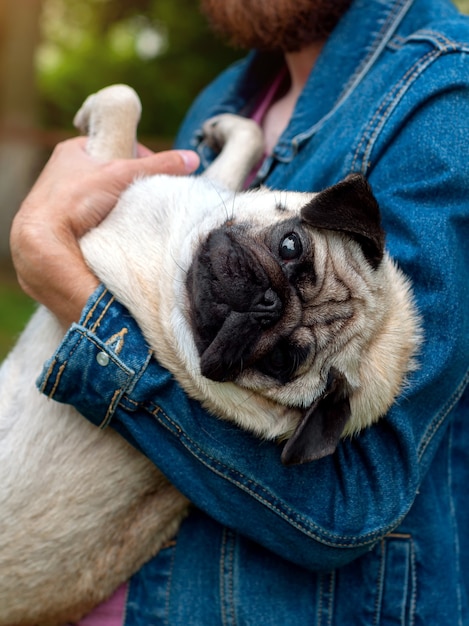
(162,48)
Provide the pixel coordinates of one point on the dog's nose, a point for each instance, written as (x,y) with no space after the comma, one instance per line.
(268,309)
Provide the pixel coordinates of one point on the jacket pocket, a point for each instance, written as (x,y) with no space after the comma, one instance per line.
(396,590)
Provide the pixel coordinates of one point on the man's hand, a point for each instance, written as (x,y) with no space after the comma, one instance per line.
(73,194)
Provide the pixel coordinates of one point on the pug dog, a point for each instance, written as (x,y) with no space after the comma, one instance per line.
(279,311)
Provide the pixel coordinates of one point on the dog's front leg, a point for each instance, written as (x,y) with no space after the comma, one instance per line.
(241,142)
(109,118)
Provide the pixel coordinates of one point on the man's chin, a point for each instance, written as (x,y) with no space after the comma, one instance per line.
(286,25)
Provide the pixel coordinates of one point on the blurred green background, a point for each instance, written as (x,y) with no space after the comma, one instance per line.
(53,53)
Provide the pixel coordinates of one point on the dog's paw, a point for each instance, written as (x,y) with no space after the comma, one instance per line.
(220,129)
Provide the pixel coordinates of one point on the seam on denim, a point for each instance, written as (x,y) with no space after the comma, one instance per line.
(400,8)
(118,339)
(437,37)
(379,37)
(397,42)
(228,615)
(406,583)
(134,403)
(319,600)
(413,575)
(138,375)
(94,307)
(221,581)
(370,136)
(454,522)
(388,104)
(76,328)
(325,608)
(293,518)
(47,375)
(82,334)
(231,578)
(57,380)
(111,408)
(330,604)
(409,596)
(102,314)
(434,37)
(441,416)
(169,584)
(380,583)
(85,335)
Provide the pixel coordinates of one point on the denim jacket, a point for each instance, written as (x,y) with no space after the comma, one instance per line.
(378,533)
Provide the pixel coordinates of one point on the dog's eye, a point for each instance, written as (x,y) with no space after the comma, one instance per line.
(290,247)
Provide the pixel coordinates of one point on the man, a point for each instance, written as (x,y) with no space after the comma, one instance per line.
(374,534)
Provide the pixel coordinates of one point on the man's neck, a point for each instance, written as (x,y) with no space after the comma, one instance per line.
(299,66)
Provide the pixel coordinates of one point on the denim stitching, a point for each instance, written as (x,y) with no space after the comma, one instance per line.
(111,408)
(386,107)
(406,585)
(138,375)
(231,603)
(117,340)
(94,307)
(84,333)
(320,601)
(222,579)
(390,19)
(380,583)
(390,25)
(413,576)
(167,604)
(454,523)
(330,605)
(408,610)
(226,579)
(439,38)
(417,71)
(47,375)
(293,518)
(102,314)
(329,579)
(441,416)
(57,379)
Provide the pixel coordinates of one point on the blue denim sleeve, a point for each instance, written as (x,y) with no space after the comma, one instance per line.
(298,512)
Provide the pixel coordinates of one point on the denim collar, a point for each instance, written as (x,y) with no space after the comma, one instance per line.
(347,57)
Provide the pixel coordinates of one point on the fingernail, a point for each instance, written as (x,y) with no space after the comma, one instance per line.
(191,160)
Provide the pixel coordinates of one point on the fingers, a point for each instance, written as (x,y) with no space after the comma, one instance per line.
(178,162)
(73,194)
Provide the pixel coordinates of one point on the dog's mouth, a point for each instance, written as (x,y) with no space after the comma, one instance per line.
(237,304)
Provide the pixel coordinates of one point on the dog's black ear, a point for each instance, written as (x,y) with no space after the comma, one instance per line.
(322,425)
(349,207)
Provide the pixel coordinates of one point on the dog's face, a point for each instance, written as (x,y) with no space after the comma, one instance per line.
(285,309)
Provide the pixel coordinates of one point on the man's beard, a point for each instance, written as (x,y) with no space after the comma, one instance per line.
(286,25)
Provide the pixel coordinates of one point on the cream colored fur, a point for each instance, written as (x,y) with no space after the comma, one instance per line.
(80,509)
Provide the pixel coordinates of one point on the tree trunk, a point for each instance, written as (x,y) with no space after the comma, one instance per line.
(19,154)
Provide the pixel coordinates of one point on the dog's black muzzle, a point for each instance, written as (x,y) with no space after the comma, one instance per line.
(232,301)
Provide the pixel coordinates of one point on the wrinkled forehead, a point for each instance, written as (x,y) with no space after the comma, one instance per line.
(264,207)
